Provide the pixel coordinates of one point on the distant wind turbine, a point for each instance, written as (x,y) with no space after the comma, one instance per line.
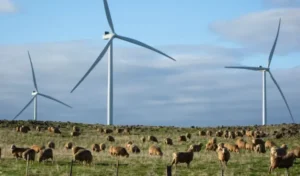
(35,93)
(264,70)
(110,37)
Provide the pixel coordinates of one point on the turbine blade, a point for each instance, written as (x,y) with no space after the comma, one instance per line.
(32,70)
(245,67)
(47,96)
(108,16)
(24,108)
(143,45)
(94,64)
(282,95)
(274,45)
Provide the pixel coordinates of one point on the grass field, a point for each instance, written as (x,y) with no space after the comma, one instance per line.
(205,162)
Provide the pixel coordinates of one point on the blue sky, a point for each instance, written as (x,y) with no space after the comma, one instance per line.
(203,35)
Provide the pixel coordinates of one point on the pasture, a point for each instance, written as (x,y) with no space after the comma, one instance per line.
(205,163)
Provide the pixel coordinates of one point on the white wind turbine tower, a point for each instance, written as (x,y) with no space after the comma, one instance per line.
(264,70)
(35,93)
(110,36)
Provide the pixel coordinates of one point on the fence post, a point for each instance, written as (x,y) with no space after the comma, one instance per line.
(71,167)
(27,165)
(117,170)
(222,172)
(169,170)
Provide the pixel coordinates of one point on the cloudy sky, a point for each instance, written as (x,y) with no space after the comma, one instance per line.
(65,38)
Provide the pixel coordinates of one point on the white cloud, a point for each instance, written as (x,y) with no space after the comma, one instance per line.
(148,89)
(7,6)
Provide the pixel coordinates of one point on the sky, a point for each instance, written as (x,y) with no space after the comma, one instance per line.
(64,39)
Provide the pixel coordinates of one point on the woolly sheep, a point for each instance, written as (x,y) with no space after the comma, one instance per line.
(75,133)
(183,157)
(269,144)
(110,139)
(17,152)
(118,151)
(188,135)
(102,147)
(168,141)
(249,146)
(46,154)
(241,143)
(83,155)
(107,131)
(259,148)
(202,133)
(143,139)
(232,147)
(208,133)
(29,154)
(223,155)
(96,147)
(134,149)
(68,145)
(75,149)
(231,135)
(76,128)
(181,138)
(152,138)
(196,147)
(37,148)
(286,161)
(51,144)
(297,152)
(155,150)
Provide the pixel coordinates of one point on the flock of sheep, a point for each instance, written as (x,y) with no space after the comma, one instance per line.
(280,157)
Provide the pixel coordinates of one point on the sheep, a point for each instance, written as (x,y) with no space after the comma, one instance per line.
(102,147)
(24,129)
(269,144)
(143,139)
(38,128)
(68,145)
(51,144)
(232,147)
(223,155)
(183,157)
(249,146)
(285,161)
(241,143)
(29,154)
(110,139)
(75,133)
(196,147)
(297,152)
(231,135)
(168,141)
(118,151)
(259,148)
(84,156)
(76,128)
(107,131)
(188,135)
(208,133)
(127,131)
(281,151)
(211,144)
(128,144)
(37,148)
(155,150)
(17,152)
(202,133)
(54,130)
(46,154)
(134,149)
(96,147)
(181,138)
(152,138)
(256,141)
(119,130)
(75,149)
(219,133)
(238,133)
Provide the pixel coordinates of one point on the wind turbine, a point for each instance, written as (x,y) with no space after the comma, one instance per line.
(35,93)
(264,70)
(110,36)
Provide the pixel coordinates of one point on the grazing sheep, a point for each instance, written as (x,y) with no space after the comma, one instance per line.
(29,154)
(110,139)
(24,129)
(76,128)
(241,143)
(107,131)
(297,152)
(68,145)
(231,135)
(17,152)
(37,148)
(51,144)
(46,154)
(223,155)
(54,130)
(96,147)
(256,141)
(281,151)
(155,150)
(250,133)
(208,133)
(143,139)
(38,128)
(232,147)
(238,134)
(75,133)
(286,161)
(119,130)
(83,155)
(183,157)
(249,146)
(211,144)
(102,147)
(269,144)
(202,133)
(118,151)
(219,133)
(259,148)
(152,138)
(75,149)
(134,149)
(181,138)
(196,147)
(168,141)
(127,131)
(128,144)
(188,135)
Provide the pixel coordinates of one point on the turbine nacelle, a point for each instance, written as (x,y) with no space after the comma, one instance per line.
(107,35)
(34,93)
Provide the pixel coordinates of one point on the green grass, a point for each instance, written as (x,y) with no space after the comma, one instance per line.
(204,163)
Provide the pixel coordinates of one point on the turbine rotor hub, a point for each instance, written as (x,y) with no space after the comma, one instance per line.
(34,93)
(107,35)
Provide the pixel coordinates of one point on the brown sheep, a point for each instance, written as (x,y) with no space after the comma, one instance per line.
(134,149)
(196,147)
(202,133)
(126,131)
(241,143)
(281,151)
(238,134)
(249,146)
(17,152)
(75,133)
(256,141)
(68,145)
(110,139)
(168,141)
(76,128)
(183,157)
(51,144)
(219,133)
(269,144)
(37,148)
(286,161)
(143,139)
(75,149)
(54,130)
(155,150)
(211,146)
(223,155)
(152,138)
(46,154)
(259,148)
(232,147)
(231,135)
(29,154)
(181,138)
(107,131)
(119,130)
(83,155)
(208,133)
(96,147)
(188,135)
(24,129)
(38,128)
(128,144)
(118,151)
(297,152)
(102,147)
